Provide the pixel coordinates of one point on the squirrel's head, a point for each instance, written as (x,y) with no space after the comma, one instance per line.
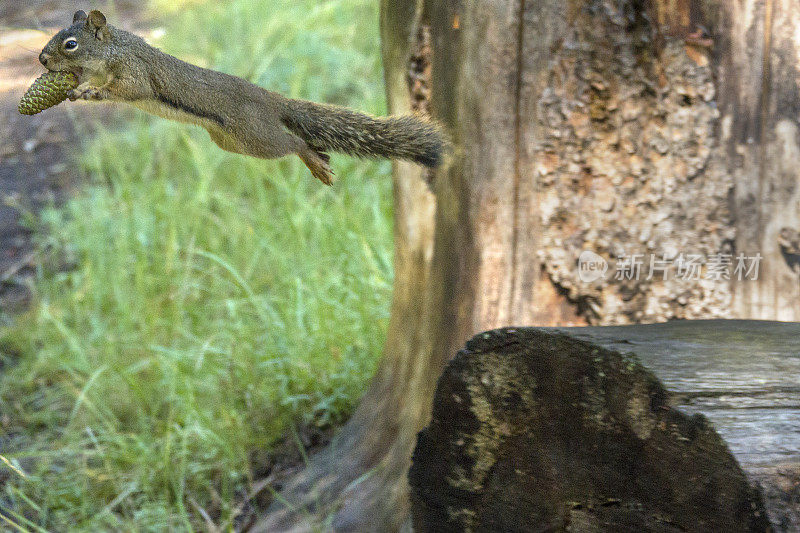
(77,47)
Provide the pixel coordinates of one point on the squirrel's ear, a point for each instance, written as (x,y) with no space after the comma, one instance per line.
(97,23)
(80,16)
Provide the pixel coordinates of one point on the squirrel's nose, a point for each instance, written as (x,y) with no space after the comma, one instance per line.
(44,58)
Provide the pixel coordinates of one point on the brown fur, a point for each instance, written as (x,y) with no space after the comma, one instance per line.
(112,64)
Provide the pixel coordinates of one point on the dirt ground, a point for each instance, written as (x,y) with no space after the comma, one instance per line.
(35,163)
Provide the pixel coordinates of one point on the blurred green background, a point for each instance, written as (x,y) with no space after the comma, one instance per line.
(214,303)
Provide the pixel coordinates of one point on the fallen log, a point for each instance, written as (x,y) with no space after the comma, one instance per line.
(571,429)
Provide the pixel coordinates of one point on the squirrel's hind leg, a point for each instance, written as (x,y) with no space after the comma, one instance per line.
(317,163)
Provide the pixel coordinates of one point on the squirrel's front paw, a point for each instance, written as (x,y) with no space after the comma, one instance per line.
(87,93)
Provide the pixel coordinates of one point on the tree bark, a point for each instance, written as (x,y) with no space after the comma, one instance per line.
(614,127)
(757,57)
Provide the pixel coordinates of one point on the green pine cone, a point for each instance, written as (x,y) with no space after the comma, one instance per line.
(48,90)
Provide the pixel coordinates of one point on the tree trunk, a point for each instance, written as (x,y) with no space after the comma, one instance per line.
(618,128)
(757,58)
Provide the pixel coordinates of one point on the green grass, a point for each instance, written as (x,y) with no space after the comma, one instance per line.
(214,301)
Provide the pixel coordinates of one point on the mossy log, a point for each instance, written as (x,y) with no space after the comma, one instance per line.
(572,430)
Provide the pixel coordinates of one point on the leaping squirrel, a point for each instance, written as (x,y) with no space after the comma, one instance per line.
(113,64)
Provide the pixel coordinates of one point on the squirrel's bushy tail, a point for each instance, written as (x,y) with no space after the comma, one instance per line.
(333,128)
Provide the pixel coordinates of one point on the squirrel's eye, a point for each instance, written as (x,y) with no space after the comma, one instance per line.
(70,44)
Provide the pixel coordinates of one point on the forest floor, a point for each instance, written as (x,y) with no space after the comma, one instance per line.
(35,166)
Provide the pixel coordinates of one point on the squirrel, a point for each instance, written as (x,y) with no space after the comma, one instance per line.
(116,65)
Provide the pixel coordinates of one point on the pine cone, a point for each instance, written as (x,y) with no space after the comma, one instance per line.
(48,90)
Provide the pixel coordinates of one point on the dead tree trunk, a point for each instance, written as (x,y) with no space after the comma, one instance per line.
(580,125)
(757,71)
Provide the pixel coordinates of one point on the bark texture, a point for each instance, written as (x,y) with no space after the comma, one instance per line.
(624,162)
(537,430)
(756,56)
